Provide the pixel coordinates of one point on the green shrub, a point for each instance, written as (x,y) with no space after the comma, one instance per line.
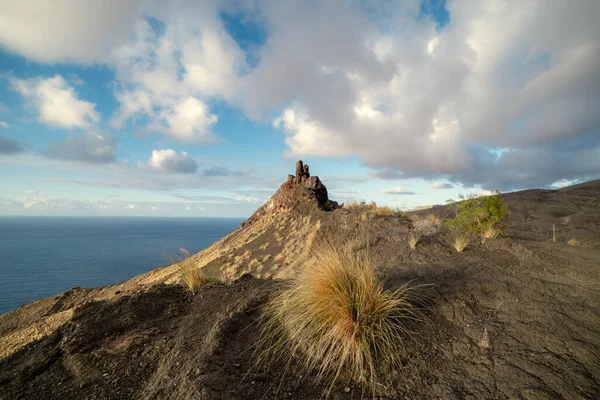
(483,216)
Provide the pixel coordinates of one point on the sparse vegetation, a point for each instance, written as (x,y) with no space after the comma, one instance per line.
(413,239)
(482,216)
(192,276)
(338,320)
(573,242)
(460,240)
(433,219)
(425,228)
(373,208)
(489,232)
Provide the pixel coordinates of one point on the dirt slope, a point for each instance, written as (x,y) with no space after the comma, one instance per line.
(516,317)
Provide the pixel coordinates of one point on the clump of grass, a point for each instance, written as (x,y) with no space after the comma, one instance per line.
(413,239)
(573,242)
(192,276)
(338,321)
(489,232)
(460,240)
(373,208)
(433,219)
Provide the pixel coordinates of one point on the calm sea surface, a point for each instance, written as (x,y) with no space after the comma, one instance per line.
(44,256)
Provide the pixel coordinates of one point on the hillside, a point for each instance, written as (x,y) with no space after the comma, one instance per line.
(515,317)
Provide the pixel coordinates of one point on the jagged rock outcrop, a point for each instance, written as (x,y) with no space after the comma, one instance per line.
(300,190)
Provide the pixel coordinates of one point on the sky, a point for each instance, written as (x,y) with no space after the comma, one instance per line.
(201,108)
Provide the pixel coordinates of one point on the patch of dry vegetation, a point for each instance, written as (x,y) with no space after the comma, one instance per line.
(433,219)
(573,242)
(338,321)
(489,232)
(373,208)
(413,239)
(460,240)
(192,275)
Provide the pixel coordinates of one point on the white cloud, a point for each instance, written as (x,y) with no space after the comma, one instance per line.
(563,183)
(308,137)
(130,206)
(4,124)
(396,190)
(170,161)
(61,31)
(56,102)
(408,98)
(189,121)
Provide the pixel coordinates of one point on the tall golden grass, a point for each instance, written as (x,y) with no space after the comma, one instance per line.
(489,232)
(338,321)
(413,239)
(460,240)
(373,208)
(192,276)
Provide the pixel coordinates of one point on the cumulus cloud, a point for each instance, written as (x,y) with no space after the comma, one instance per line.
(89,147)
(396,190)
(9,146)
(189,121)
(170,161)
(414,100)
(61,31)
(167,76)
(502,96)
(56,102)
(440,185)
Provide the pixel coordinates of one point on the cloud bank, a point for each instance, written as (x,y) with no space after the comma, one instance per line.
(502,96)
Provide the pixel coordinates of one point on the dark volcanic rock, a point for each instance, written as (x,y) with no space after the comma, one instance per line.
(299,191)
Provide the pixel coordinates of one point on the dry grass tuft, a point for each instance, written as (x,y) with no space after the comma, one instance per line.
(338,321)
(573,242)
(489,232)
(413,239)
(461,240)
(192,276)
(433,219)
(373,208)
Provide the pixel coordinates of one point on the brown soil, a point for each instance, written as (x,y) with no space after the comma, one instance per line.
(515,317)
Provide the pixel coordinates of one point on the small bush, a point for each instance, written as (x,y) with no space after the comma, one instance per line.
(460,240)
(482,216)
(573,242)
(338,321)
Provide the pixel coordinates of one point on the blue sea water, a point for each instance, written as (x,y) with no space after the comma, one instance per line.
(44,256)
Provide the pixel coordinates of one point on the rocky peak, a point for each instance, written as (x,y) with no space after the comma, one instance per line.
(299,189)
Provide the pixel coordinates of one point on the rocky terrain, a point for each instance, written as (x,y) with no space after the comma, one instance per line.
(514,317)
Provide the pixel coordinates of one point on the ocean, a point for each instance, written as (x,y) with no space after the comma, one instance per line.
(44,256)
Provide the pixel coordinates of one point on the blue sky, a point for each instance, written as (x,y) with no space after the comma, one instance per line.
(190,108)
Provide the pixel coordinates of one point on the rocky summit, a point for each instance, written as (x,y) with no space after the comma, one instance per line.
(514,317)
